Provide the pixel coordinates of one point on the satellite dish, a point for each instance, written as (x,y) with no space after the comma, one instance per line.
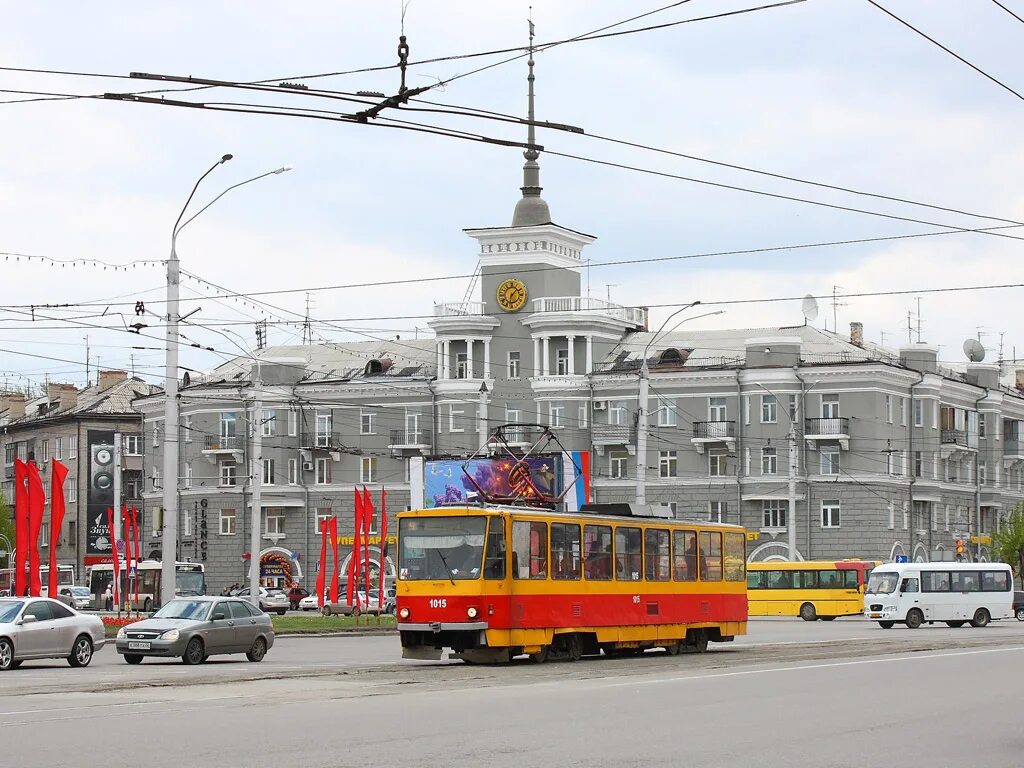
(809,306)
(974,350)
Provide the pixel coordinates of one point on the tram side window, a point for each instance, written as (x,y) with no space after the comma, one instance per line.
(529,550)
(565,551)
(656,554)
(494,564)
(711,552)
(735,556)
(684,555)
(628,554)
(597,548)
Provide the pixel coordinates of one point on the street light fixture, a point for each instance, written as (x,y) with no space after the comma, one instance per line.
(171,404)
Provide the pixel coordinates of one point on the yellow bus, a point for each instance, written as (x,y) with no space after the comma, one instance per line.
(818,589)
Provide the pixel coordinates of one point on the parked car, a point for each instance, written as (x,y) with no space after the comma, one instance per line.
(81,597)
(40,628)
(1018,605)
(309,603)
(196,628)
(295,596)
(271,600)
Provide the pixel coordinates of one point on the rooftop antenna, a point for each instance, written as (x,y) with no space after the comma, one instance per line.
(918,319)
(87,361)
(1001,334)
(608,290)
(910,328)
(835,307)
(131,358)
(809,307)
(307,329)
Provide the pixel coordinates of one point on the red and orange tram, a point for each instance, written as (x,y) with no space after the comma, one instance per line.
(494,582)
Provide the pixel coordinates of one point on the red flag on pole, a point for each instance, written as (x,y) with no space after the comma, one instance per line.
(21,528)
(36,509)
(116,588)
(353,562)
(138,551)
(367,527)
(323,564)
(383,545)
(333,589)
(126,528)
(58,474)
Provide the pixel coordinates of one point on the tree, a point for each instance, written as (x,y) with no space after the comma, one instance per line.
(1008,543)
(6,531)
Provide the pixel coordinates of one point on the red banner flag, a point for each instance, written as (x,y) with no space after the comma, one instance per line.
(129,541)
(383,544)
(353,562)
(21,528)
(58,474)
(138,551)
(367,527)
(36,509)
(333,588)
(323,564)
(116,588)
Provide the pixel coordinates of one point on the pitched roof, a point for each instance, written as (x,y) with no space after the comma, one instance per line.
(112,400)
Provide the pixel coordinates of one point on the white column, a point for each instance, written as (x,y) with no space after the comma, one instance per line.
(572,354)
(487,358)
(536,357)
(546,354)
(469,358)
(446,359)
(590,354)
(440,359)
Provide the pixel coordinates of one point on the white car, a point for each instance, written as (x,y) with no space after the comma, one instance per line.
(271,600)
(80,596)
(309,603)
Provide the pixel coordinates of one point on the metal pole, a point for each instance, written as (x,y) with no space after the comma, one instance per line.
(169,549)
(256,475)
(791,515)
(117,533)
(641,435)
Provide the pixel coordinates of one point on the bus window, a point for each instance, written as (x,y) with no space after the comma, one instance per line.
(684,555)
(735,556)
(494,562)
(656,554)
(529,550)
(780,579)
(808,580)
(851,579)
(597,542)
(565,551)
(832,579)
(935,581)
(995,581)
(965,581)
(711,553)
(757,580)
(628,554)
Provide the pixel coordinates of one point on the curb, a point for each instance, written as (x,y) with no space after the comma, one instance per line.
(340,633)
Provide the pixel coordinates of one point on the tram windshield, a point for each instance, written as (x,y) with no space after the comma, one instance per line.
(436,548)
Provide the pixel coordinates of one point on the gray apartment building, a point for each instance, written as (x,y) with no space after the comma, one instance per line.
(895,454)
(73,426)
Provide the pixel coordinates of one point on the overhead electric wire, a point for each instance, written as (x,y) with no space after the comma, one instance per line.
(1018,18)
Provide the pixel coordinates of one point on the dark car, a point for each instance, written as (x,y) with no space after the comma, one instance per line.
(295,595)
(1018,605)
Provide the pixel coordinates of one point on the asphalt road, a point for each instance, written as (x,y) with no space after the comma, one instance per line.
(934,697)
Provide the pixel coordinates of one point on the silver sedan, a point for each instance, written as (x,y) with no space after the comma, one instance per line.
(195,628)
(40,628)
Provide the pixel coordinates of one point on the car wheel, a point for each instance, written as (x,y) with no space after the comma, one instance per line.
(281,612)
(81,652)
(6,655)
(807,612)
(194,652)
(258,651)
(914,618)
(133,658)
(981,618)
(326,610)
(1019,614)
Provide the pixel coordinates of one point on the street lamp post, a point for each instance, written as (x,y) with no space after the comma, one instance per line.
(172,455)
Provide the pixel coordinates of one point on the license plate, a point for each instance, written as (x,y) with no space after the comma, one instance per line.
(138,646)
(876,615)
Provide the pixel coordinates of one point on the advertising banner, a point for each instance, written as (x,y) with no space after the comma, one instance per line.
(445,482)
(100,496)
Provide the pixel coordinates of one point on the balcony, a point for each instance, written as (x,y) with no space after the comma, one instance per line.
(613,435)
(223,445)
(828,429)
(459,309)
(1013,449)
(711,432)
(587,306)
(408,440)
(322,441)
(956,442)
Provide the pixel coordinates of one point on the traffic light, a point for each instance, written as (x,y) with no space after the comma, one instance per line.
(960,548)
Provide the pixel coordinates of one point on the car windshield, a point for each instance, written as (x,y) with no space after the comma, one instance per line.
(190,583)
(8,610)
(882,583)
(80,591)
(437,548)
(184,609)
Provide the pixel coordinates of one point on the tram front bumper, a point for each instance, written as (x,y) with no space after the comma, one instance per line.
(426,641)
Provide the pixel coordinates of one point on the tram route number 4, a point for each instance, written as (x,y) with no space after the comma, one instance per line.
(438,603)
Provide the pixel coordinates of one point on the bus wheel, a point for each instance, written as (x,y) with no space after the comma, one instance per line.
(541,656)
(807,612)
(955,624)
(147,606)
(914,618)
(981,618)
(827,618)
(886,624)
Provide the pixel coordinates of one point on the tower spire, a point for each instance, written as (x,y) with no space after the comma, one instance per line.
(531,209)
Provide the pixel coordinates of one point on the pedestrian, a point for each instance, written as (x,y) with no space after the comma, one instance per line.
(108,598)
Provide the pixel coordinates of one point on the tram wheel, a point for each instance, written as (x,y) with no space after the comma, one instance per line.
(673,649)
(574,647)
(541,656)
(697,642)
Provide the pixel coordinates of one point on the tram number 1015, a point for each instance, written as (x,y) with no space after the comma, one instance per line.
(438,603)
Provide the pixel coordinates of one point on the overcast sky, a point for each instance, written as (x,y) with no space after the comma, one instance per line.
(829,90)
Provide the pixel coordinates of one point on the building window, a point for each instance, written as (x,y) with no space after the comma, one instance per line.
(769,461)
(889,462)
(58,449)
(275,521)
(888,408)
(455,416)
(617,412)
(188,474)
(982,473)
(73,491)
(982,430)
(461,365)
(918,464)
(830,461)
(830,406)
(323,471)
(892,516)
(156,435)
(9,454)
(774,513)
(229,424)
(324,427)
(667,413)
(556,415)
(906,517)
(368,469)
(23,451)
(918,412)
(268,472)
(582,420)
(157,485)
(668,464)
(793,414)
(228,518)
(72,448)
(367,423)
(323,514)
(45,451)
(716,511)
(769,409)
(44,535)
(186,522)
(513,365)
(562,362)
(188,429)
(293,471)
(830,514)
(293,422)
(132,445)
(269,423)
(716,409)
(618,464)
(903,411)
(228,476)
(716,463)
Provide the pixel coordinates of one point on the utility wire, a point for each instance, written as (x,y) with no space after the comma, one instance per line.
(1018,18)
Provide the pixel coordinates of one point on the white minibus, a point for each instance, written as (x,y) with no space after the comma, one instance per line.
(956,593)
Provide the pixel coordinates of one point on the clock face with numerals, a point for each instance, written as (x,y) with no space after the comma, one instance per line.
(511,295)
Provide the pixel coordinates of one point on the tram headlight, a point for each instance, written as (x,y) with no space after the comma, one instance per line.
(403,613)
(471,612)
